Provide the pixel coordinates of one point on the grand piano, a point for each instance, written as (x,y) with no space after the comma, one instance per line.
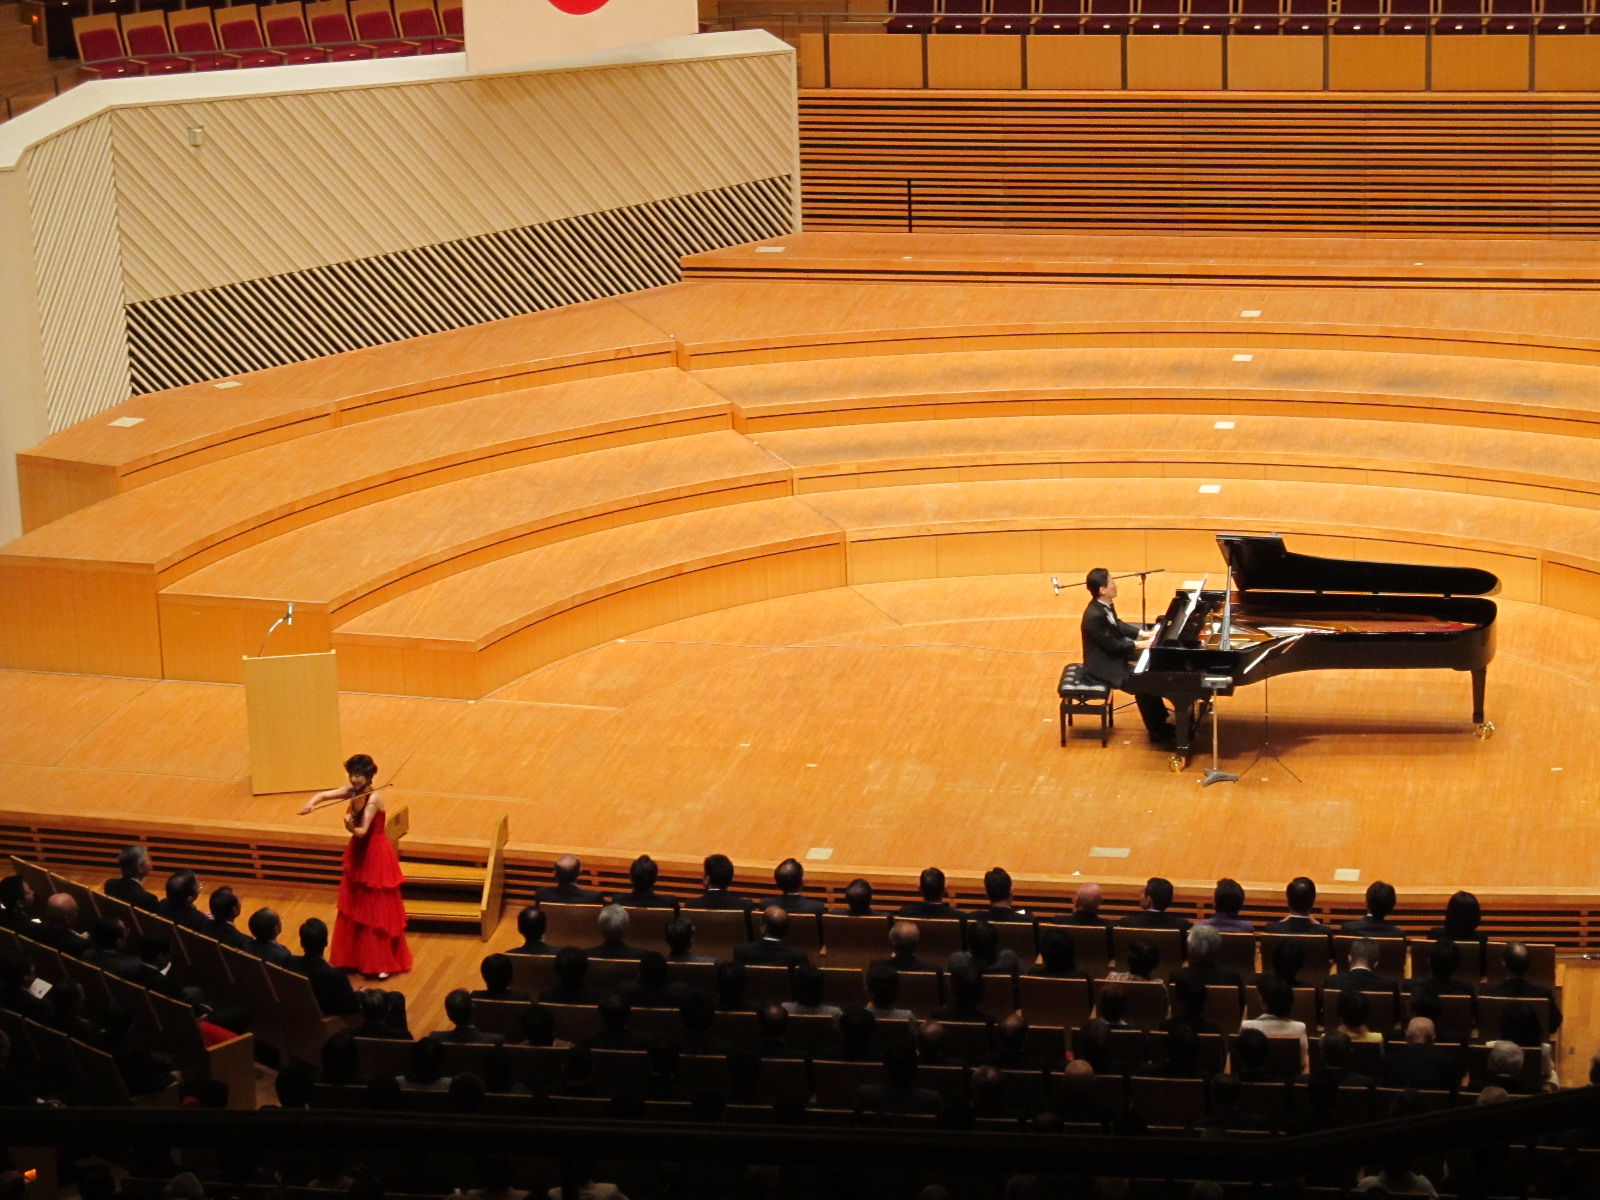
(1296,612)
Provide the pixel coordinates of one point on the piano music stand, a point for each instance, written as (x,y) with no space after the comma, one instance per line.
(1266,750)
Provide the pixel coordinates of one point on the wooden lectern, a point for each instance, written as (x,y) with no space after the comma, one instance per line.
(293,706)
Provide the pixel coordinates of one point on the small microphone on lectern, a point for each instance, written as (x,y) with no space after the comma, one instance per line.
(1055,583)
(288,617)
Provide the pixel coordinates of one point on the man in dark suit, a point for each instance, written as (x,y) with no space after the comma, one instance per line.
(933,904)
(642,876)
(531,925)
(134,863)
(16,989)
(16,905)
(1153,912)
(224,923)
(997,888)
(904,937)
(183,892)
(1421,1064)
(1204,944)
(1109,646)
(58,930)
(1362,974)
(770,950)
(1301,895)
(614,923)
(1376,924)
(155,956)
(858,900)
(458,1010)
(1516,986)
(265,929)
(718,881)
(567,871)
(1336,1062)
(790,877)
(331,986)
(108,941)
(899,1093)
(1085,907)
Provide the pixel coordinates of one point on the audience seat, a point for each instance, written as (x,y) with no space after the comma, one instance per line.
(718,931)
(940,939)
(960,16)
(452,16)
(383,1056)
(533,973)
(239,29)
(921,991)
(1147,1002)
(572,924)
(647,927)
(1238,953)
(419,21)
(1209,17)
(768,984)
(1305,1005)
(1168,1103)
(1091,948)
(1391,955)
(1562,17)
(1061,1003)
(1108,17)
(374,22)
(1358,17)
(1009,16)
(854,941)
(1059,17)
(1225,1006)
(145,34)
(1168,943)
(1318,951)
(285,26)
(910,16)
(330,27)
(195,37)
(1258,17)
(101,48)
(1471,960)
(1159,17)
(1267,1100)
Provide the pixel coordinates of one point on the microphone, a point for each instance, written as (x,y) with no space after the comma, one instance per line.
(1056,584)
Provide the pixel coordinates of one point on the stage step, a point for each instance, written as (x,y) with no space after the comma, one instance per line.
(443,875)
(460,912)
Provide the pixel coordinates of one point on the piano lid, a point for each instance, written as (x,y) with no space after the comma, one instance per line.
(1260,563)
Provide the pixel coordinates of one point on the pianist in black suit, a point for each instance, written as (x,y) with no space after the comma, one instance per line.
(1109,645)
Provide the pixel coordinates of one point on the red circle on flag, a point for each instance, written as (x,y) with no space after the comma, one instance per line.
(579,8)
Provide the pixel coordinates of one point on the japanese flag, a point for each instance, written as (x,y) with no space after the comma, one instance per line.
(511,33)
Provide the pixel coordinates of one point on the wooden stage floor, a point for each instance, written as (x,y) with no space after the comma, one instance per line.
(889,726)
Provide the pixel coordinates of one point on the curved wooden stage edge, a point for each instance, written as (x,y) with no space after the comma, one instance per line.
(760,563)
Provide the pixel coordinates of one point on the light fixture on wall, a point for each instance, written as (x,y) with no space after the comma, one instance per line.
(195,135)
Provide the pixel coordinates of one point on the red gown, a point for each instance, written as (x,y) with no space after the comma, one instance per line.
(369,931)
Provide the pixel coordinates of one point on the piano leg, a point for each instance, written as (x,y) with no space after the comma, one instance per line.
(1185,718)
(1485,729)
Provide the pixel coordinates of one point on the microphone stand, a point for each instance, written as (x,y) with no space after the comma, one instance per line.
(1141,576)
(1266,751)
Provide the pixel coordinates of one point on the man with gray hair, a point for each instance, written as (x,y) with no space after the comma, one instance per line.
(1503,1068)
(134,863)
(614,921)
(1204,942)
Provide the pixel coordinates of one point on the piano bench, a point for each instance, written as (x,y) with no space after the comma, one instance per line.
(1083,696)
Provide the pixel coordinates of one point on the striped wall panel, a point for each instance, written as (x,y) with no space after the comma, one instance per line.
(78,260)
(258,323)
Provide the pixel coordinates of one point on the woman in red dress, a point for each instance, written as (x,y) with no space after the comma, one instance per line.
(369,930)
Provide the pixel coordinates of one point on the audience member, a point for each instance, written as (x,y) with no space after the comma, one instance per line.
(1183,1054)
(934,904)
(69,1011)
(1153,914)
(809,986)
(58,930)
(1075,1101)
(567,870)
(1111,1005)
(772,1022)
(16,905)
(899,1093)
(966,997)
(108,948)
(341,1060)
(985,952)
(498,974)
(1141,960)
(790,878)
(771,949)
(1362,973)
(1226,902)
(1520,1025)
(856,1029)
(1515,985)
(143,1070)
(133,863)
(642,876)
(1287,961)
(376,1017)
(696,1013)
(904,938)
(858,899)
(1419,1063)
(1462,916)
(466,1093)
(1397,1177)
(680,942)
(1444,960)
(1301,899)
(579,1182)
(653,987)
(718,893)
(427,1064)
(731,981)
(1277,1017)
(1058,956)
(1011,1049)
(1190,1000)
(1355,1014)
(614,922)
(537,1027)
(997,889)
(331,986)
(1204,943)
(572,969)
(1338,1061)
(183,893)
(531,925)
(266,927)
(615,1014)
(1503,1068)
(1085,907)
(1227,1115)
(883,989)
(224,923)
(1376,923)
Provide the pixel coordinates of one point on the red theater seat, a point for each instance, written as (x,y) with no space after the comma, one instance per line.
(910,16)
(196,39)
(285,26)
(101,49)
(960,16)
(330,29)
(146,36)
(1009,16)
(420,23)
(240,31)
(374,21)
(1059,16)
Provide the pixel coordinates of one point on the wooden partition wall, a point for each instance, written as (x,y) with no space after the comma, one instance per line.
(856,58)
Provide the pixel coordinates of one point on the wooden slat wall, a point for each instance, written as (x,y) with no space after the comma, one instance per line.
(1201,163)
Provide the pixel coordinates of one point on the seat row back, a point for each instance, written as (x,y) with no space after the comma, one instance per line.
(158,42)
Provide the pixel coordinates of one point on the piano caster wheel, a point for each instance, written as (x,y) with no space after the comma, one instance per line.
(1176,763)
(1484,732)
